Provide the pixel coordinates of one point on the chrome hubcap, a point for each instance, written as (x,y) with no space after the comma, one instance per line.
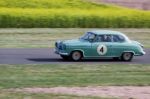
(127,56)
(76,56)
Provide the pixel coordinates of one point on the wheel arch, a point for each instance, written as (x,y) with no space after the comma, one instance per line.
(128,52)
(81,51)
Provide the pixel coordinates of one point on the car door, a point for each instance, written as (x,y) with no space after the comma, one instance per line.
(119,45)
(86,48)
(87,44)
(102,46)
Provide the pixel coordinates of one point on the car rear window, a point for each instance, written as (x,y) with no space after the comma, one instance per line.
(118,38)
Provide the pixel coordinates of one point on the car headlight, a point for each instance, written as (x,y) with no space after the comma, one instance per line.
(60,45)
(56,44)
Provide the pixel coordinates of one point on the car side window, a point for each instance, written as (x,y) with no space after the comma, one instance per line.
(98,38)
(103,38)
(107,38)
(118,38)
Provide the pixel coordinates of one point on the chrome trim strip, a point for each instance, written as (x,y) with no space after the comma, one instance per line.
(99,56)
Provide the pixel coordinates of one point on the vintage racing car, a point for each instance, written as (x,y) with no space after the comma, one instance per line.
(99,44)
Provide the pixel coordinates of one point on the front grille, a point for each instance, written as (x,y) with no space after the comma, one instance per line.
(60,47)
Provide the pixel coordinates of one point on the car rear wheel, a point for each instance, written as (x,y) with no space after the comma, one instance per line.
(76,55)
(127,56)
(65,57)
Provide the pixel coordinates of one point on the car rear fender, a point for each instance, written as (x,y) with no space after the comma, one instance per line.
(128,52)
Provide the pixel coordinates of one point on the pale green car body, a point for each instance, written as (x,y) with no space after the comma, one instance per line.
(97,47)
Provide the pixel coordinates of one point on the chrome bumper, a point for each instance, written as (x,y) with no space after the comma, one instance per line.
(60,53)
(141,54)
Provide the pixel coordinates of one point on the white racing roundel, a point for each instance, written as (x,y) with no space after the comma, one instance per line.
(102,49)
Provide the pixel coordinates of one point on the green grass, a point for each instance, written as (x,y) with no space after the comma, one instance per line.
(69,13)
(45,38)
(20,76)
(50,4)
(19,95)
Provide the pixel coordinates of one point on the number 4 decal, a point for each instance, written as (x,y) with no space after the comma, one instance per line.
(102,49)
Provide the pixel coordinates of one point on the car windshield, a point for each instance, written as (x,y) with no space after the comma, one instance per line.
(88,36)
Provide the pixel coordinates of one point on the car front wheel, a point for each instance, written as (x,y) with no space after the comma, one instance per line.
(127,56)
(76,55)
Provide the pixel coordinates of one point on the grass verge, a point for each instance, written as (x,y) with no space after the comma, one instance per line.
(19,95)
(20,76)
(45,37)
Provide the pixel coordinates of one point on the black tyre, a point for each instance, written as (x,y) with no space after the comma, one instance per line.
(65,57)
(127,56)
(76,56)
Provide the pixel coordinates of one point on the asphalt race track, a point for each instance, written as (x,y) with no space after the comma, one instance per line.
(47,56)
